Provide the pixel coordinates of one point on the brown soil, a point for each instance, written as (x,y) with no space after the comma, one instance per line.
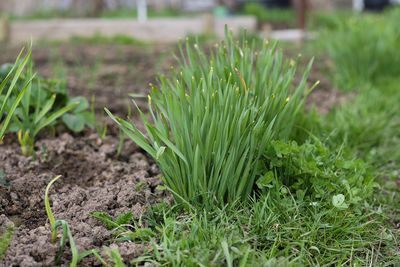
(93,179)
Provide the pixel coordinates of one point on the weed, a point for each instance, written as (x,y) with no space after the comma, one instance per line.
(122,225)
(76,118)
(30,122)
(314,172)
(277,228)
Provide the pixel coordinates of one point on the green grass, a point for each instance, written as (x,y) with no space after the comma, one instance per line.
(281,227)
(123,13)
(276,229)
(323,20)
(369,53)
(132,13)
(5,238)
(272,15)
(115,40)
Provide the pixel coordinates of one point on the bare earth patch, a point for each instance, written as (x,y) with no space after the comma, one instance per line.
(93,180)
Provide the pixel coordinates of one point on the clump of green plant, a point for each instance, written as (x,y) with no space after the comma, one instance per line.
(10,100)
(215,118)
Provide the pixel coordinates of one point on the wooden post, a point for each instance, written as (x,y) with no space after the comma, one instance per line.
(5,30)
(98,8)
(301,9)
(301,14)
(209,24)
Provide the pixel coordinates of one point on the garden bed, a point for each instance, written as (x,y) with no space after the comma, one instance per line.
(93,178)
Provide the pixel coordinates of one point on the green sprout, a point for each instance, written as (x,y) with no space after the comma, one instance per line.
(214,119)
(99,125)
(9,105)
(66,233)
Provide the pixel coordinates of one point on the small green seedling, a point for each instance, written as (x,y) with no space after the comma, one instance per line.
(6,238)
(6,107)
(66,233)
(100,126)
(35,114)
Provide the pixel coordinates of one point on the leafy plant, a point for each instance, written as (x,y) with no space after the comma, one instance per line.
(79,117)
(215,118)
(40,107)
(9,105)
(44,99)
(30,121)
(76,118)
(314,172)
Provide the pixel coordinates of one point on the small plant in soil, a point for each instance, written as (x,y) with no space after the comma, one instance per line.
(10,100)
(66,234)
(6,238)
(215,118)
(42,103)
(99,125)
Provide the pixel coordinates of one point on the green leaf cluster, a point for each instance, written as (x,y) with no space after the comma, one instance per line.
(316,173)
